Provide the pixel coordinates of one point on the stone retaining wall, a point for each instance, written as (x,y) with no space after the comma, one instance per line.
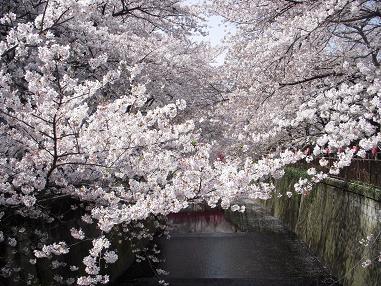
(331,220)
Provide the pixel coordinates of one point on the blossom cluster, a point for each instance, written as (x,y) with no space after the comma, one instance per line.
(307,79)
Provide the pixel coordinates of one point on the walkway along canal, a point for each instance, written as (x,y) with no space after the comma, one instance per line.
(206,249)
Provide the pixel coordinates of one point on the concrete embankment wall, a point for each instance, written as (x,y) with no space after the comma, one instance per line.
(331,220)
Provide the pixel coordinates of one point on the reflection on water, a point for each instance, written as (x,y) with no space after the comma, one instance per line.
(205,247)
(206,221)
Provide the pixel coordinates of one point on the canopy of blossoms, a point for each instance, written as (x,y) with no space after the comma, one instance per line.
(307,78)
(101,100)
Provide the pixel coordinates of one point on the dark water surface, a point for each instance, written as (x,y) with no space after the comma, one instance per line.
(205,248)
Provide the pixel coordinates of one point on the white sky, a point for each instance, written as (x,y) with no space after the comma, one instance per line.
(217,31)
(216,26)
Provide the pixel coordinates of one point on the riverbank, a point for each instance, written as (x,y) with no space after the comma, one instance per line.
(332,220)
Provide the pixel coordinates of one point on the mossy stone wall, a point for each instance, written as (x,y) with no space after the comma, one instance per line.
(332,219)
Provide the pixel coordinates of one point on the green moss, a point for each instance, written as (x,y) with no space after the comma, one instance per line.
(357,187)
(364,189)
(296,172)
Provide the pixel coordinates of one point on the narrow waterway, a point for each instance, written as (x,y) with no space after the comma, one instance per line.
(205,248)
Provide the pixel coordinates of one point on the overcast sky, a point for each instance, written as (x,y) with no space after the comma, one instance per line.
(217,31)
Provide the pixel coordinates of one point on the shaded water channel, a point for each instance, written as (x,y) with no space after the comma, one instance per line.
(210,247)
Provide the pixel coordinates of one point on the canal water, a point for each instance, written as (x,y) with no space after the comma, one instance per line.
(206,248)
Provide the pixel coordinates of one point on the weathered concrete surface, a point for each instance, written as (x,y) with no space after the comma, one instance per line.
(332,219)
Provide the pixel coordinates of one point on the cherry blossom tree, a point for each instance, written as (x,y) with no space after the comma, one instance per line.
(95,139)
(89,92)
(307,78)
